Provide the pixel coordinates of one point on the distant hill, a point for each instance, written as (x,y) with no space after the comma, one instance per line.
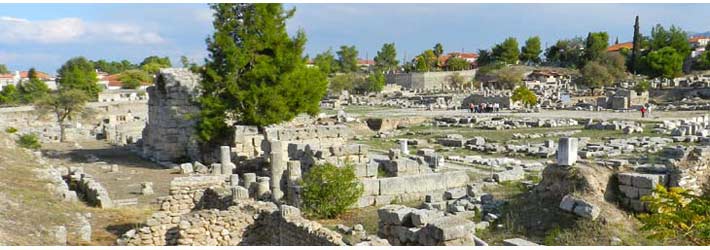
(692,34)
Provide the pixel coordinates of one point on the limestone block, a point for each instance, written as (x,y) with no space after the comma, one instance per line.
(625,178)
(455,193)
(567,203)
(629,191)
(518,242)
(186,168)
(395,215)
(449,228)
(648,181)
(587,210)
(567,151)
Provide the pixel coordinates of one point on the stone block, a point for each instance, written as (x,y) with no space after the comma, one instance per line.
(587,210)
(186,168)
(648,181)
(629,191)
(395,215)
(449,228)
(567,203)
(518,242)
(567,151)
(455,193)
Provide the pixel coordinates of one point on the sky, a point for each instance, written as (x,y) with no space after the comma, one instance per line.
(46,35)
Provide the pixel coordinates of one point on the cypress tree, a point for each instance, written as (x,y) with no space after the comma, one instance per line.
(636,46)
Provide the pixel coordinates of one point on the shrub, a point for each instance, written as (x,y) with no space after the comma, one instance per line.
(30,141)
(10,130)
(675,213)
(329,190)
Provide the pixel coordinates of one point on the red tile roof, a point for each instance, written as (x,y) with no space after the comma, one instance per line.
(697,39)
(617,47)
(40,75)
(114,80)
(365,62)
(7,76)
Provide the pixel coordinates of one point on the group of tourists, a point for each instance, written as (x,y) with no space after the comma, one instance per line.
(484,107)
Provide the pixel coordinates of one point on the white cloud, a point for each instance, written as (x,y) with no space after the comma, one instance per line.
(72,30)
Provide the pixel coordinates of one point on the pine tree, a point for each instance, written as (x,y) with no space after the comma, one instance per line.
(255,73)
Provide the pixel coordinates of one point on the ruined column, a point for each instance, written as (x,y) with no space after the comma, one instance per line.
(403,146)
(293,194)
(250,183)
(279,158)
(234,180)
(225,156)
(567,151)
(263,191)
(239,193)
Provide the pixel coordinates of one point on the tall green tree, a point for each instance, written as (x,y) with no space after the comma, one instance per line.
(485,57)
(3,69)
(674,37)
(636,49)
(386,58)
(113,67)
(347,59)
(65,105)
(78,73)
(666,63)
(375,83)
(595,75)
(566,53)
(255,74)
(426,61)
(326,62)
(507,51)
(438,50)
(531,50)
(595,46)
(32,89)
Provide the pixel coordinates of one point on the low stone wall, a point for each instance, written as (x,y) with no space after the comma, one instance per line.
(427,80)
(200,211)
(633,186)
(88,189)
(409,188)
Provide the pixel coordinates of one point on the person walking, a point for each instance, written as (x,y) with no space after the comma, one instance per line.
(470,106)
(643,112)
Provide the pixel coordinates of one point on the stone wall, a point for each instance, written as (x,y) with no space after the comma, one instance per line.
(88,189)
(27,120)
(169,134)
(384,191)
(200,211)
(426,80)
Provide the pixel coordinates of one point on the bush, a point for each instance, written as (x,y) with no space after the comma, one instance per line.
(10,130)
(30,141)
(675,213)
(329,190)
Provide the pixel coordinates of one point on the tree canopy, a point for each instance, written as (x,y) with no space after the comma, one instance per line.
(457,63)
(255,73)
(386,58)
(113,67)
(566,53)
(78,73)
(507,51)
(347,59)
(33,88)
(134,78)
(65,105)
(426,61)
(326,62)
(3,69)
(153,64)
(524,95)
(531,50)
(666,63)
(595,46)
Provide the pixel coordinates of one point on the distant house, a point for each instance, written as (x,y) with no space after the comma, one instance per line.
(468,57)
(113,82)
(547,79)
(22,76)
(365,64)
(698,44)
(619,46)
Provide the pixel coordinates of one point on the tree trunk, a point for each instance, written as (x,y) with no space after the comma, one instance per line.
(62,134)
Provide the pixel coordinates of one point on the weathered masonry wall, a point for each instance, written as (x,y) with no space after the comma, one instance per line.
(169,134)
(408,188)
(427,80)
(210,210)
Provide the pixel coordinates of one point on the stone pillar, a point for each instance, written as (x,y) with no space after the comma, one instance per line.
(567,151)
(216,169)
(250,183)
(234,180)
(262,188)
(403,146)
(293,194)
(239,193)
(225,158)
(279,158)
